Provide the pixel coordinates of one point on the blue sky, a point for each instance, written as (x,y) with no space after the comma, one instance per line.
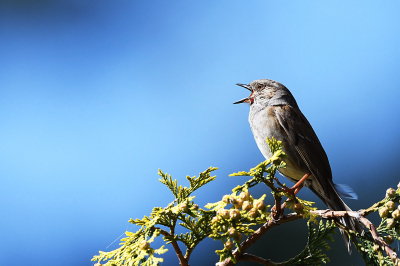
(96,96)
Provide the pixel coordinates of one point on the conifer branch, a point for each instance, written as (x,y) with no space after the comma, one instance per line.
(257,235)
(238,213)
(329,214)
(259,260)
(182,259)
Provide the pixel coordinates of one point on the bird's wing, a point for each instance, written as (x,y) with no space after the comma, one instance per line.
(304,139)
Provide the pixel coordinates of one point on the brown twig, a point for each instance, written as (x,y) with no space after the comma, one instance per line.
(374,207)
(253,258)
(378,240)
(277,210)
(329,214)
(182,260)
(279,183)
(257,235)
(190,250)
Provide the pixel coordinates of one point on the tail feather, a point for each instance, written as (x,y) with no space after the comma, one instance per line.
(331,198)
(351,223)
(346,191)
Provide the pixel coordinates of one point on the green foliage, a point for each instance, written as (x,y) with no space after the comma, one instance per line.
(257,172)
(237,215)
(306,208)
(131,252)
(317,239)
(388,227)
(371,252)
(182,193)
(181,211)
(238,218)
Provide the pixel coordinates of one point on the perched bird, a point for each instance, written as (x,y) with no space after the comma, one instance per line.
(274,113)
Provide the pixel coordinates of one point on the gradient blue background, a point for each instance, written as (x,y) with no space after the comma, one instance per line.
(95,96)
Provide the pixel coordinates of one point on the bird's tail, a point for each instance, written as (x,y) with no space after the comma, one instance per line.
(335,202)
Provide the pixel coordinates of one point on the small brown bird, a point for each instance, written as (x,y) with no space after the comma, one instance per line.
(274,113)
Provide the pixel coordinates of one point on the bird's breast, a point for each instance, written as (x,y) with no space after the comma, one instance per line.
(264,124)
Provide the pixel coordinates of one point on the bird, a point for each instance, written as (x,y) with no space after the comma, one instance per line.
(274,113)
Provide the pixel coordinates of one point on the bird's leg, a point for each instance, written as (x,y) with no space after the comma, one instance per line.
(296,188)
(278,209)
(299,184)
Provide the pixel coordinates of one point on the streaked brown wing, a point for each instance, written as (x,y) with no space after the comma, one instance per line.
(303,137)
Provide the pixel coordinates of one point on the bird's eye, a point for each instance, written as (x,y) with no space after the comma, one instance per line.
(260,86)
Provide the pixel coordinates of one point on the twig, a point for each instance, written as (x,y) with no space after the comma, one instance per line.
(277,210)
(189,250)
(378,240)
(329,214)
(250,257)
(257,235)
(279,183)
(182,260)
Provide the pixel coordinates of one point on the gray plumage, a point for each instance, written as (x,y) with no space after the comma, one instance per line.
(274,113)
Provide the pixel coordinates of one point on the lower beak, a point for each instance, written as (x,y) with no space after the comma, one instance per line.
(242,101)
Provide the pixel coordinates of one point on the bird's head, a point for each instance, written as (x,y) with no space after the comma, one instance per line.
(267,92)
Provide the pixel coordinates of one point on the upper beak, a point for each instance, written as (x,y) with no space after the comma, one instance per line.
(245,99)
(246,86)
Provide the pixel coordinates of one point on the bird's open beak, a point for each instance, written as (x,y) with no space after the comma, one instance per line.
(248,99)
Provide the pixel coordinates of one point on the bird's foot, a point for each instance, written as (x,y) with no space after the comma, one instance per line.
(291,190)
